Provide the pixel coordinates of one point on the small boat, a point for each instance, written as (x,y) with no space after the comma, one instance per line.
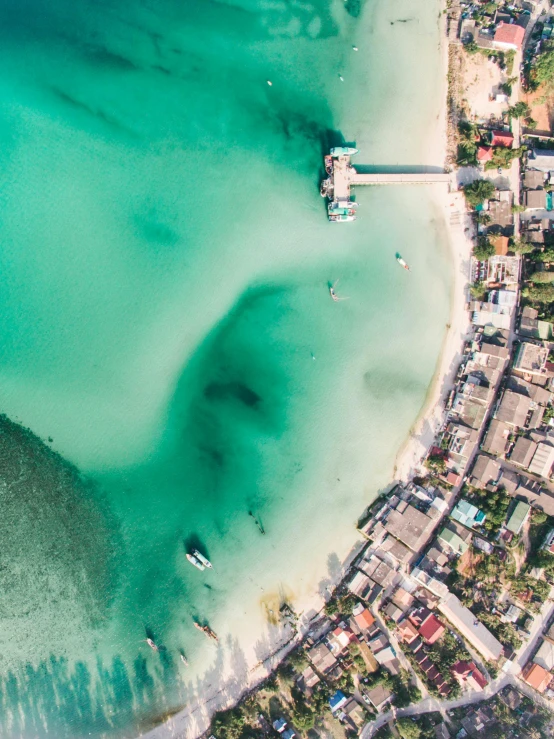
(184,660)
(328,164)
(151,644)
(343,151)
(341,218)
(270,83)
(206,630)
(196,562)
(203,560)
(333,294)
(401,262)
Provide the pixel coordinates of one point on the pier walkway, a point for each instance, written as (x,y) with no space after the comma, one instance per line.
(342,176)
(424,178)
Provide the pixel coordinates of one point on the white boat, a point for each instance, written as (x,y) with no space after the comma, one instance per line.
(196,562)
(343,151)
(200,557)
(341,218)
(184,660)
(151,644)
(401,262)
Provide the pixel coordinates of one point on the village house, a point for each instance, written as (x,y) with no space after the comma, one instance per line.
(514,409)
(468,514)
(353,714)
(361,585)
(508,36)
(379,697)
(411,527)
(407,631)
(545,656)
(471,628)
(363,617)
(518,517)
(339,639)
(496,439)
(451,538)
(462,442)
(377,570)
(534,199)
(536,676)
(533,179)
(403,599)
(540,395)
(401,553)
(543,459)
(428,626)
(470,403)
(467,674)
(322,659)
(486,472)
(523,452)
(541,159)
(531,359)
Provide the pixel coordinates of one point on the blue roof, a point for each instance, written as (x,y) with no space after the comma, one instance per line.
(337,699)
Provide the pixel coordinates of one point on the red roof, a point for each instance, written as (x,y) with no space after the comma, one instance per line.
(510,34)
(484,153)
(431,629)
(453,479)
(536,676)
(364,619)
(468,672)
(502,138)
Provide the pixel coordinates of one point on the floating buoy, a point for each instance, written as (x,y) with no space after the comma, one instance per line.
(270,83)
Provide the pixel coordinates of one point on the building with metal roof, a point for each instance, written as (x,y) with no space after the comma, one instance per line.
(518,517)
(471,628)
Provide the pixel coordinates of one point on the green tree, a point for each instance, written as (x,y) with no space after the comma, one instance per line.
(483,249)
(540,293)
(471,47)
(542,277)
(519,110)
(543,69)
(408,729)
(478,191)
(466,155)
(478,290)
(521,247)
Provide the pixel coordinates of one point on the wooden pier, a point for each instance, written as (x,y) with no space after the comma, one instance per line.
(342,176)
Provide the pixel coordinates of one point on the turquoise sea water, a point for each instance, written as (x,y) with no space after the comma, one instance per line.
(167,330)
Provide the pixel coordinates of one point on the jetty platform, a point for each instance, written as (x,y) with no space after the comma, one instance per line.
(342,176)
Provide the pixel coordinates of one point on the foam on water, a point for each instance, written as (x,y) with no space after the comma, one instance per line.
(166,323)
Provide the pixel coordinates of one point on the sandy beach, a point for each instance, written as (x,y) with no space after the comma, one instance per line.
(224,690)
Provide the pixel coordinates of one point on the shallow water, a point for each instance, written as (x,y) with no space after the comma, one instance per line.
(167,328)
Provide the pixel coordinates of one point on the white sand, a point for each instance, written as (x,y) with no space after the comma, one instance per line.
(224,691)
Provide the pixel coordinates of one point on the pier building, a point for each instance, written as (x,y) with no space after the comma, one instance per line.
(342,176)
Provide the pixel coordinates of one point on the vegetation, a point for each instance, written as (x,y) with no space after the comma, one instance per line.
(478,290)
(519,246)
(478,191)
(495,505)
(542,277)
(408,729)
(539,293)
(436,463)
(503,157)
(542,72)
(467,146)
(483,249)
(519,110)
